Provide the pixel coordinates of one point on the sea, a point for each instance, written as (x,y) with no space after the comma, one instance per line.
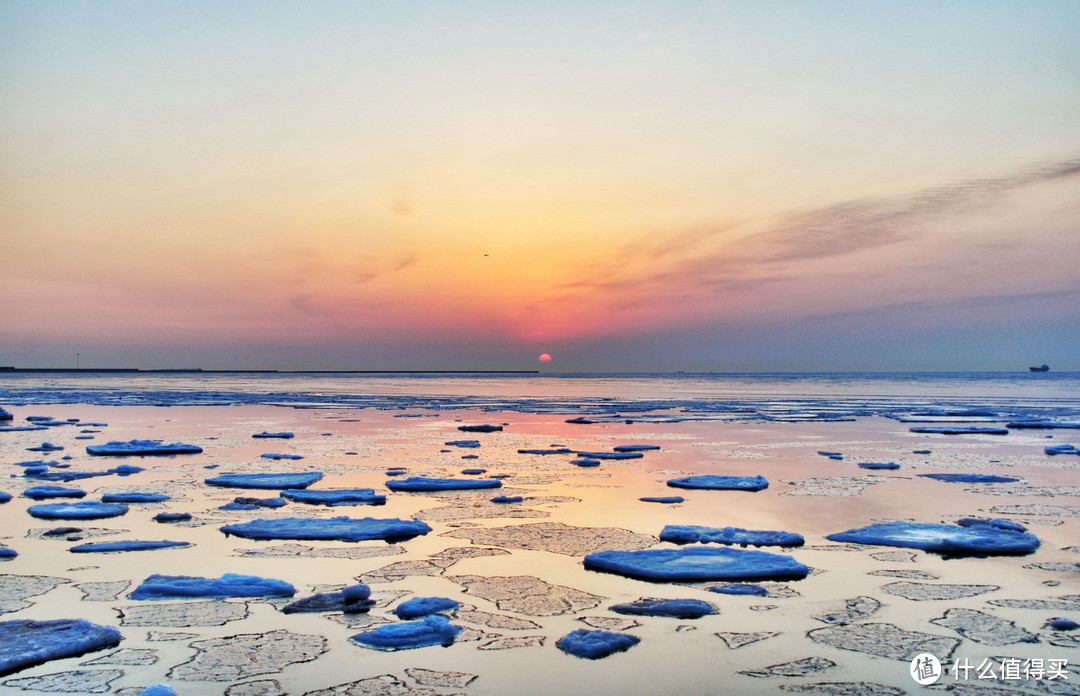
(835,452)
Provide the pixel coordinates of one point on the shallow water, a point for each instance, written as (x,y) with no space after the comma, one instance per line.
(517,569)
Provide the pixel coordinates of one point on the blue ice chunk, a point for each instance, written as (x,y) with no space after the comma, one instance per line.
(594,645)
(675,608)
(431,630)
(43,492)
(611,455)
(980,540)
(5,414)
(692,534)
(995,522)
(267,481)
(473,472)
(158,690)
(172,517)
(1044,424)
(83,510)
(479,428)
(118,546)
(271,455)
(1061,449)
(636,448)
(134,497)
(423,606)
(116,448)
(697,563)
(971,478)
(831,455)
(336,529)
(741,589)
(1062,625)
(126,470)
(45,447)
(350,600)
(542,452)
(237,507)
(585,462)
(281,435)
(228,585)
(4,497)
(254,503)
(26,642)
(953,430)
(721,483)
(462,443)
(503,499)
(887,466)
(7,554)
(340,496)
(664,499)
(422,483)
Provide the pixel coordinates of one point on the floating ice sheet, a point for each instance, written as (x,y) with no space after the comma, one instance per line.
(340,496)
(721,483)
(117,448)
(431,630)
(697,563)
(228,585)
(971,478)
(337,529)
(25,642)
(691,534)
(85,510)
(134,545)
(594,645)
(266,481)
(674,608)
(423,483)
(943,538)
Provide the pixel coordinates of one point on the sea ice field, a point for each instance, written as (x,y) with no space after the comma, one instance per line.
(261,535)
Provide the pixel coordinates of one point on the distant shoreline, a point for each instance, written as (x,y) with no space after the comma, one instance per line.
(199,370)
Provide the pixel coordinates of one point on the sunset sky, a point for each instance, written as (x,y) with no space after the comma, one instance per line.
(723,186)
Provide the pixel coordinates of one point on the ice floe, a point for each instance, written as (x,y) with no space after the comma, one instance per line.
(43,492)
(423,483)
(666,500)
(119,546)
(423,606)
(83,510)
(942,538)
(958,430)
(525,594)
(266,481)
(158,587)
(697,563)
(971,478)
(134,497)
(429,631)
(117,448)
(336,529)
(26,642)
(335,497)
(721,483)
(594,645)
(354,599)
(693,534)
(674,608)
(279,435)
(485,428)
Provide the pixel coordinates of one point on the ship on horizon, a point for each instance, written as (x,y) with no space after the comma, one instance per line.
(1041,368)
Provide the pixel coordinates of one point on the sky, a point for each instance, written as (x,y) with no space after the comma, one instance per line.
(750,185)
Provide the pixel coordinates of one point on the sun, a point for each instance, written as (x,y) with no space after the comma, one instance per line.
(544,358)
